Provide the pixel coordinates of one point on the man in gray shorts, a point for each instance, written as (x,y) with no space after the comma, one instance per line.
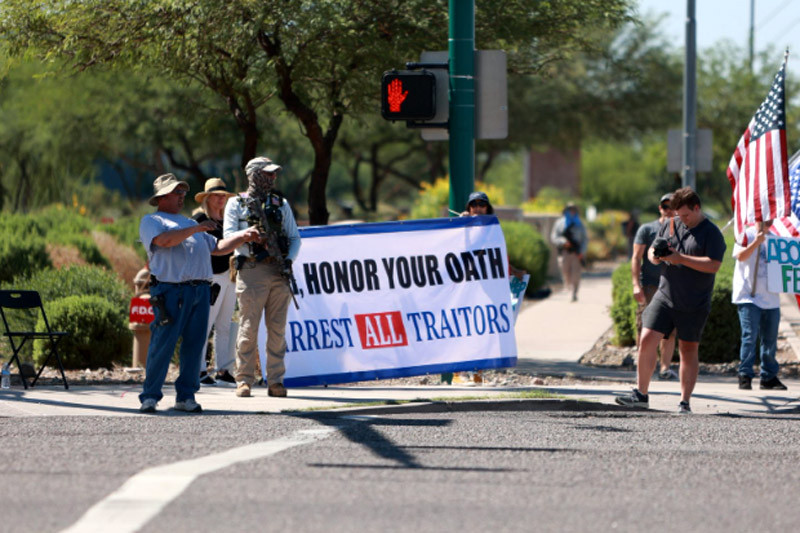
(694,252)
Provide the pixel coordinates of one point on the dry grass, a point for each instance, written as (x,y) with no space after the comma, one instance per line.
(61,255)
(124,260)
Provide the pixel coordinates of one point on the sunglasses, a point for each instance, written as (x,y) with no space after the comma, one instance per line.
(665,206)
(479,203)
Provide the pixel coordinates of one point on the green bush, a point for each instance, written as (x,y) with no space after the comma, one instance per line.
(62,220)
(527,250)
(13,225)
(97,337)
(76,280)
(721,336)
(623,306)
(21,256)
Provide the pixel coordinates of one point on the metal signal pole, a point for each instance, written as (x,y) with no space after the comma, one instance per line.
(690,100)
(462,102)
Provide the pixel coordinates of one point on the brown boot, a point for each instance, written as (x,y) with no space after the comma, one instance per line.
(277,390)
(243,390)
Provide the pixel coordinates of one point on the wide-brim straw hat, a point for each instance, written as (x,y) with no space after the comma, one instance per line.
(213,186)
(165,184)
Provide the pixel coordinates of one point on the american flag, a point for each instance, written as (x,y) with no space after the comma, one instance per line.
(758,170)
(789,226)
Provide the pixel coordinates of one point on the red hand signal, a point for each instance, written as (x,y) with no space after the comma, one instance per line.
(396,95)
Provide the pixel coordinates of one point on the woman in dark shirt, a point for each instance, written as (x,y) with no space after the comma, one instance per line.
(212,201)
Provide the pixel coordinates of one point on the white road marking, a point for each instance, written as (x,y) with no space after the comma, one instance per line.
(144,495)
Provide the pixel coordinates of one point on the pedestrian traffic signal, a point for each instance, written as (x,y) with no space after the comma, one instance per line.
(408,95)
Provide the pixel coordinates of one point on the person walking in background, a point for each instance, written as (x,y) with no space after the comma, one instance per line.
(645,276)
(262,285)
(223,289)
(759,311)
(629,228)
(691,248)
(179,256)
(569,237)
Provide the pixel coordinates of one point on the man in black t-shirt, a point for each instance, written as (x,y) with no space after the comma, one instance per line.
(683,300)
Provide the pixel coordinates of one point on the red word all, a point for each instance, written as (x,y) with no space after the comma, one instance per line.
(381,330)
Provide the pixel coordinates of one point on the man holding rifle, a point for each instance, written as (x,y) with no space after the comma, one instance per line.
(264,274)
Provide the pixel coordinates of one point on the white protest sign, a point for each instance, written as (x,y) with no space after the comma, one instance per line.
(397,299)
(783,264)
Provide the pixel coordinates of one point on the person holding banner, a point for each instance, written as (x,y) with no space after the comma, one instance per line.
(262,285)
(223,289)
(179,254)
(759,311)
(569,237)
(691,247)
(645,276)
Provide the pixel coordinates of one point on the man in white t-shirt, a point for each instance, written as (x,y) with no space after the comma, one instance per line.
(759,311)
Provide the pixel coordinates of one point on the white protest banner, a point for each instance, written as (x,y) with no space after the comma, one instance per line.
(783,264)
(397,299)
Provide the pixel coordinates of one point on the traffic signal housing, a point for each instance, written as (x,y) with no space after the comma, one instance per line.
(408,95)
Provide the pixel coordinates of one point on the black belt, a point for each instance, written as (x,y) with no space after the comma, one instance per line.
(190,283)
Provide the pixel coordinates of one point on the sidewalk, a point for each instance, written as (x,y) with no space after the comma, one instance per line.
(552,334)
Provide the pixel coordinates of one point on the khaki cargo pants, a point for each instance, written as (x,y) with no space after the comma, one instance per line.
(261,290)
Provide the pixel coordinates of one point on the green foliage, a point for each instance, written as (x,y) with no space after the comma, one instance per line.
(722,334)
(76,280)
(19,256)
(434,198)
(623,306)
(548,200)
(98,337)
(624,176)
(527,250)
(606,238)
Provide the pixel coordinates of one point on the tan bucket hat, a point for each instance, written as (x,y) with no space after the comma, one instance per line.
(213,186)
(165,184)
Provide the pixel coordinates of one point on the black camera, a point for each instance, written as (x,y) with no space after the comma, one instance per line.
(661,247)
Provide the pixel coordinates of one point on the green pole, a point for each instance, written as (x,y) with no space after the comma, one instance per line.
(461,46)
(462,102)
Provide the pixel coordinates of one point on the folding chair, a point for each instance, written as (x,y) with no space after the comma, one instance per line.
(27,300)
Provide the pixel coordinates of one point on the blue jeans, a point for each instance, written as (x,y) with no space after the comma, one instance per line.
(760,324)
(188,307)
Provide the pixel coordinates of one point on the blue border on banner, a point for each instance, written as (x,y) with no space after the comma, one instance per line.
(389,373)
(371,228)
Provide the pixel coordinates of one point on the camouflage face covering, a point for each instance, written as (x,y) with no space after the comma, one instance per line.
(260,183)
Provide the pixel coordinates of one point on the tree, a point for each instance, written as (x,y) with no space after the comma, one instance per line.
(310,53)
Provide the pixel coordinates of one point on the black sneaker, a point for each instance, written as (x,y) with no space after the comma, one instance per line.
(206,379)
(684,409)
(772,384)
(225,377)
(634,399)
(745,382)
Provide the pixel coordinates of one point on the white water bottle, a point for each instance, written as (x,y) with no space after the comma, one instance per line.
(5,379)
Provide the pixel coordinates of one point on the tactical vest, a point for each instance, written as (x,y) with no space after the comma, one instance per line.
(268,218)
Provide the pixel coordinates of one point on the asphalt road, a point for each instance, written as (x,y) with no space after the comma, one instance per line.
(511,470)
